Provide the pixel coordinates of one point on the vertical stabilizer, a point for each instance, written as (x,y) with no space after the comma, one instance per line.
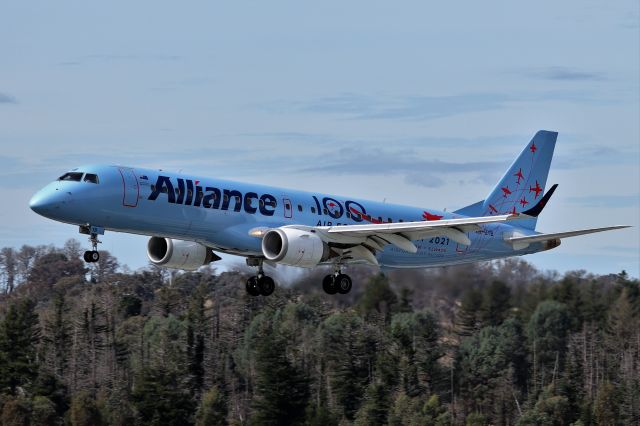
(522,186)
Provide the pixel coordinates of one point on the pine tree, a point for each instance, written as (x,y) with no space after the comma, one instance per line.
(19,334)
(282,390)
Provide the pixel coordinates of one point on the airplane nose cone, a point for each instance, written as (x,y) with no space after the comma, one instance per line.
(47,202)
(40,203)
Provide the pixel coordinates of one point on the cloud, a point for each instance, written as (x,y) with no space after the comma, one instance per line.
(416,171)
(7,99)
(606,201)
(416,107)
(358,106)
(565,74)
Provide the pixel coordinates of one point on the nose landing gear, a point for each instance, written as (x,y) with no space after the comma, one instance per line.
(92,256)
(260,284)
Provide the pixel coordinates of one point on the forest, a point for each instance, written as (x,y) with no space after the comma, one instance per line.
(497,343)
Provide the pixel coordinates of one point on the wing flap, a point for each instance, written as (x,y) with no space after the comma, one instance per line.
(399,227)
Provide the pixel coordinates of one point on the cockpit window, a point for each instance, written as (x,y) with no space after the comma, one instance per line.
(72,176)
(89,177)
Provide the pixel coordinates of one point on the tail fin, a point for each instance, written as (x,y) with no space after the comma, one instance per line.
(523,184)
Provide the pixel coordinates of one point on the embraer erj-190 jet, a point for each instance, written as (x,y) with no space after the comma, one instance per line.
(189,218)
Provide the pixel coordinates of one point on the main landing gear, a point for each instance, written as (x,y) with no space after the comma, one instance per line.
(337,282)
(260,284)
(92,256)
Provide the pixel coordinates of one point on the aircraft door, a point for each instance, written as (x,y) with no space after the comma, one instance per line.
(288,208)
(130,187)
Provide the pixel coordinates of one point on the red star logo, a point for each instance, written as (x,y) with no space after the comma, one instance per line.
(533,148)
(506,191)
(537,189)
(493,209)
(519,175)
(523,202)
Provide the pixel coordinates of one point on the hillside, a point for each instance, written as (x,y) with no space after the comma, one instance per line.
(494,343)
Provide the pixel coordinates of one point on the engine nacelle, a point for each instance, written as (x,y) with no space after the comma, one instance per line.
(178,254)
(294,247)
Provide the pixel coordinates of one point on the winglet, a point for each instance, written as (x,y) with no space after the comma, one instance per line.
(537,209)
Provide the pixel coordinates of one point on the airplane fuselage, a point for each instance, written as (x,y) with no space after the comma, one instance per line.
(221,214)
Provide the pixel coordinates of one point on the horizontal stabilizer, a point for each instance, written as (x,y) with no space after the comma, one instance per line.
(523,241)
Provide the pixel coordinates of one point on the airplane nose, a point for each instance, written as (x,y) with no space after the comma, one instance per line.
(41,203)
(46,202)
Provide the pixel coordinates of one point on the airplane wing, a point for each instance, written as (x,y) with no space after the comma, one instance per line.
(360,242)
(520,242)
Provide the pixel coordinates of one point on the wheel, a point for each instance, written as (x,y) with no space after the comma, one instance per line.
(328,285)
(94,255)
(87,256)
(252,287)
(266,285)
(343,283)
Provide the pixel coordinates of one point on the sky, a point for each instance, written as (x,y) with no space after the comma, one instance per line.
(412,102)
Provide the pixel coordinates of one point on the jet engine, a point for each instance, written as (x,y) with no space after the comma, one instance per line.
(294,247)
(179,254)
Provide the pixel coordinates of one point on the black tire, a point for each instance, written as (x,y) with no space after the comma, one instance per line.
(328,285)
(252,287)
(343,283)
(87,256)
(95,256)
(266,285)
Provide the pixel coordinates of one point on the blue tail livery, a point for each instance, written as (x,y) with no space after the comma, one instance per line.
(191,218)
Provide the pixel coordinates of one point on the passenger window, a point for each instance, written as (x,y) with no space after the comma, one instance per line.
(189,193)
(91,178)
(164,189)
(238,199)
(71,176)
(325,210)
(313,210)
(299,207)
(153,188)
(225,198)
(261,202)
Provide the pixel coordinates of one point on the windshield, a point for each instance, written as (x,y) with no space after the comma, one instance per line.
(72,176)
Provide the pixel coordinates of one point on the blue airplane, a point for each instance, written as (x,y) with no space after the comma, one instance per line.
(189,218)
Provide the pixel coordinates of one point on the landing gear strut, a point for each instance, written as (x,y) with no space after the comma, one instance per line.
(92,256)
(260,284)
(337,282)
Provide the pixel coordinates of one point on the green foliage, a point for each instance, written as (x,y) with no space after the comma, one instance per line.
(418,411)
(160,400)
(84,411)
(344,340)
(496,302)
(417,334)
(550,409)
(130,306)
(213,409)
(43,411)
(378,298)
(547,331)
(606,407)
(19,332)
(483,344)
(374,408)
(282,389)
